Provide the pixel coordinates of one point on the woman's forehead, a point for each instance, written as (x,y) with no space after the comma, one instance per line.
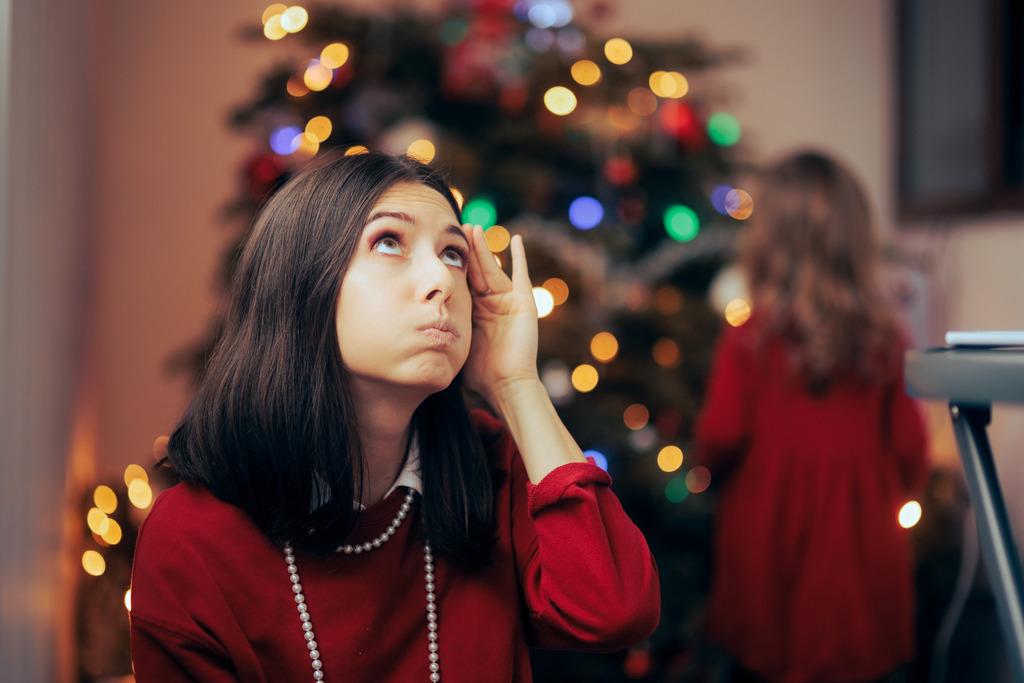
(413,196)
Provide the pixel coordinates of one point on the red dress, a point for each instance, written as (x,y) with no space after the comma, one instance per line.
(211,599)
(812,573)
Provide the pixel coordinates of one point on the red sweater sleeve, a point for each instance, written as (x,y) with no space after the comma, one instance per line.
(587,576)
(725,420)
(163,655)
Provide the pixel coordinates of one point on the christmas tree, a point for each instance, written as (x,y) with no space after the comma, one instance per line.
(614,159)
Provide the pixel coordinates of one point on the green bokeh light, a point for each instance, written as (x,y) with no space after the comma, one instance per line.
(681,223)
(723,129)
(480,211)
(675,489)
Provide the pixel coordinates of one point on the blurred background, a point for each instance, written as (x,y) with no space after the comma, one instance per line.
(618,137)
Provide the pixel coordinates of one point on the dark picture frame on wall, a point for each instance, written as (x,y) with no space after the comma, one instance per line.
(960,107)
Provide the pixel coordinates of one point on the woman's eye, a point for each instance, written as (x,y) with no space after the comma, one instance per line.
(457,256)
(388,245)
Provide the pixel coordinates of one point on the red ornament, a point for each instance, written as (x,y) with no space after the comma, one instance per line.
(620,170)
(679,121)
(638,663)
(261,171)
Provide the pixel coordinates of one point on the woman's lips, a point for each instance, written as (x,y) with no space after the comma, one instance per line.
(440,333)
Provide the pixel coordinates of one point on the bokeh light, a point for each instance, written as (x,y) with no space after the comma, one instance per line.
(480,211)
(560,100)
(698,479)
(584,378)
(668,84)
(334,55)
(558,288)
(642,101)
(356,149)
(718,195)
(668,300)
(113,533)
(666,353)
(737,312)
(284,140)
(636,416)
(93,563)
(133,472)
(128,599)
(675,489)
(585,72)
(140,494)
(723,129)
(319,127)
(105,499)
(585,213)
(599,458)
(422,149)
(306,144)
(681,223)
(910,514)
(97,521)
(272,28)
(618,51)
(317,76)
(604,346)
(739,204)
(272,10)
(498,238)
(670,458)
(545,302)
(294,19)
(296,87)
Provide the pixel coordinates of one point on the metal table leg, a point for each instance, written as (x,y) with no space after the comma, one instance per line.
(998,547)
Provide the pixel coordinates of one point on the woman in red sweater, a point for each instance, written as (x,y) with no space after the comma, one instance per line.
(807,419)
(341,516)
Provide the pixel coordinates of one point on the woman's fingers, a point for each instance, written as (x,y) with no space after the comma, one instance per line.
(520,272)
(475,268)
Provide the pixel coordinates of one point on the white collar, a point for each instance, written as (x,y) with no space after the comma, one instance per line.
(408,477)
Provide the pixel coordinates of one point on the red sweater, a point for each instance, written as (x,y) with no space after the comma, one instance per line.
(211,600)
(812,573)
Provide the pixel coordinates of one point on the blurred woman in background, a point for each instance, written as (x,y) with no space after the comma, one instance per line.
(806,409)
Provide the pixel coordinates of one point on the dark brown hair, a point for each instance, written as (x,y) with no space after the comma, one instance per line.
(271,427)
(811,254)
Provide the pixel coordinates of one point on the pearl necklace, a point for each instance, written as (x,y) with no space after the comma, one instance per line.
(433,649)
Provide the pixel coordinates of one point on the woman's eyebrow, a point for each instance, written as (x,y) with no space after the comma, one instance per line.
(406,218)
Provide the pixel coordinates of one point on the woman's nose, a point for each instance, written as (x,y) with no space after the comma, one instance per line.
(434,279)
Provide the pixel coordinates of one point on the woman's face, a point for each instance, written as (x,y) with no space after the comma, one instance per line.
(404,313)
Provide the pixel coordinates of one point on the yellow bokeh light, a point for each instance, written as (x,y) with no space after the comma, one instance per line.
(306,145)
(559,290)
(584,378)
(670,458)
(128,599)
(140,494)
(542,297)
(666,353)
(604,346)
(97,521)
(113,533)
(317,76)
(910,514)
(636,416)
(560,100)
(737,312)
(459,199)
(356,149)
(93,563)
(272,10)
(133,472)
(585,72)
(668,300)
(273,30)
(295,87)
(739,204)
(423,150)
(642,101)
(319,127)
(105,499)
(294,19)
(334,55)
(498,238)
(668,84)
(618,51)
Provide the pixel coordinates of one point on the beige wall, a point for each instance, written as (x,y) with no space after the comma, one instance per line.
(819,74)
